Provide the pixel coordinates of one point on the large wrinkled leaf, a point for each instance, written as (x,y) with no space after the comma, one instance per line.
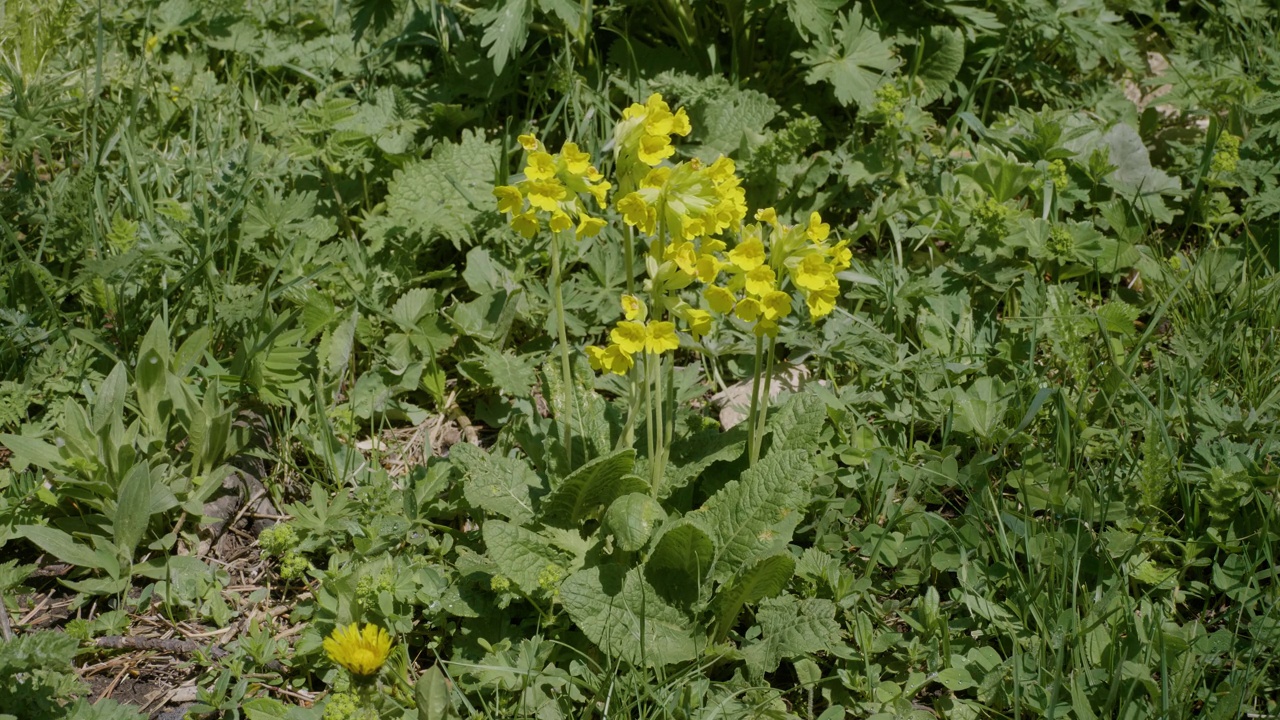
(756,515)
(765,578)
(631,519)
(790,628)
(621,613)
(501,485)
(520,554)
(943,58)
(680,561)
(852,57)
(797,425)
(597,483)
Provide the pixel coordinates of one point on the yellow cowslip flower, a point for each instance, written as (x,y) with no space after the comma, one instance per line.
(600,191)
(722,170)
(526,224)
(575,161)
(545,194)
(529,143)
(654,149)
(776,304)
(680,123)
(748,255)
(633,308)
(509,199)
(841,256)
(760,280)
(691,227)
(560,221)
(685,257)
(659,120)
(822,301)
(630,336)
(699,322)
(363,652)
(616,360)
(765,327)
(708,268)
(595,356)
(720,299)
(541,166)
(661,337)
(817,230)
(594,175)
(748,309)
(656,178)
(633,208)
(813,272)
(588,226)
(712,245)
(768,215)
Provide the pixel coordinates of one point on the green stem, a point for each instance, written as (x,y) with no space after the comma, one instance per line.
(758,431)
(656,462)
(752,450)
(565,365)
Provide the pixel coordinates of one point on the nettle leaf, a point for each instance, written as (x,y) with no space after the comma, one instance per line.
(679,562)
(765,578)
(693,454)
(755,516)
(596,483)
(791,628)
(42,649)
(510,373)
(620,611)
(506,28)
(852,57)
(446,195)
(520,554)
(499,484)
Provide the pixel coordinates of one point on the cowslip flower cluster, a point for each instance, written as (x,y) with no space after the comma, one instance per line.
(642,139)
(363,652)
(633,335)
(554,188)
(691,200)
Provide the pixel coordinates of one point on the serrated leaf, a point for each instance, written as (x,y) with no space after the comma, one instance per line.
(679,562)
(496,483)
(42,649)
(622,614)
(631,518)
(765,578)
(341,343)
(447,194)
(691,456)
(1118,317)
(790,628)
(596,483)
(511,374)
(852,57)
(756,515)
(980,408)
(506,29)
(812,17)
(520,554)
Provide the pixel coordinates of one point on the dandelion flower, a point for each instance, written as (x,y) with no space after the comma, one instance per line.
(361,651)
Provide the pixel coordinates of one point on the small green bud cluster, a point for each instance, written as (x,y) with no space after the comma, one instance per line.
(888,107)
(369,588)
(1226,155)
(550,577)
(281,540)
(990,217)
(1061,243)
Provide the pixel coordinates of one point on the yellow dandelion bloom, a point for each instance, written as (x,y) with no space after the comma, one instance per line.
(661,337)
(720,299)
(748,255)
(361,651)
(630,336)
(526,224)
(575,161)
(760,280)
(633,308)
(541,166)
(817,230)
(509,198)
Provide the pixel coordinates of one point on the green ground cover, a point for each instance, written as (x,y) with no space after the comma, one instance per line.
(417,315)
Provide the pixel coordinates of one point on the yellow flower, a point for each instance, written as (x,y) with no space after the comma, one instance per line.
(661,337)
(361,651)
(616,360)
(748,309)
(633,308)
(560,221)
(841,256)
(708,268)
(748,256)
(765,327)
(509,198)
(545,194)
(529,143)
(655,148)
(656,178)
(699,322)
(595,356)
(633,208)
(630,336)
(526,224)
(719,299)
(818,230)
(813,273)
(541,166)
(760,280)
(588,226)
(680,123)
(776,303)
(575,161)
(685,257)
(768,215)
(822,301)
(599,191)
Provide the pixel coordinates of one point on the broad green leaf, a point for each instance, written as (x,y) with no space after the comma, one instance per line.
(852,57)
(797,425)
(631,518)
(108,406)
(755,515)
(340,344)
(511,374)
(499,484)
(955,678)
(980,408)
(813,17)
(62,546)
(597,483)
(149,373)
(621,613)
(31,450)
(943,58)
(765,578)
(445,195)
(432,693)
(133,510)
(680,561)
(791,628)
(521,555)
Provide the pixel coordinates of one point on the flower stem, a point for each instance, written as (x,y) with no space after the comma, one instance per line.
(752,450)
(566,367)
(758,431)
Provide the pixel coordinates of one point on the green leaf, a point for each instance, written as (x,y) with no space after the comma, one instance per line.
(499,484)
(852,57)
(596,483)
(631,519)
(446,195)
(62,546)
(520,554)
(109,404)
(679,562)
(33,451)
(149,373)
(622,614)
(791,628)
(756,515)
(432,693)
(39,650)
(956,678)
(692,455)
(506,29)
(133,510)
(813,17)
(943,58)
(510,373)
(766,578)
(340,344)
(797,425)
(980,408)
